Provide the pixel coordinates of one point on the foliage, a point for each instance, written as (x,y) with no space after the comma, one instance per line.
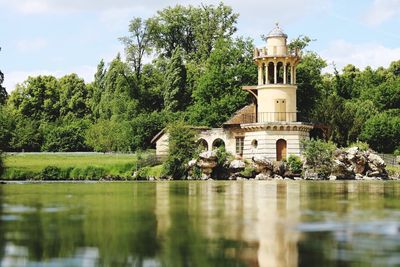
(382,131)
(1,163)
(318,156)
(27,136)
(223,158)
(248,171)
(175,95)
(3,92)
(295,164)
(50,173)
(181,147)
(361,145)
(218,93)
(108,136)
(67,137)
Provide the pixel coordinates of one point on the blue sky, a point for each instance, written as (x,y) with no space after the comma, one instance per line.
(63,36)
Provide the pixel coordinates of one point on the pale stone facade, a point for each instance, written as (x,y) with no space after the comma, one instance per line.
(269,127)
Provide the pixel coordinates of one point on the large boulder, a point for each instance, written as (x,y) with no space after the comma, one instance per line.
(207,161)
(262,164)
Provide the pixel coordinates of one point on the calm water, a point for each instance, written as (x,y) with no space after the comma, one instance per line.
(253,223)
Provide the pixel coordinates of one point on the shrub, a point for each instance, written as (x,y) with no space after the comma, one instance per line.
(1,163)
(223,158)
(93,173)
(361,145)
(182,144)
(50,173)
(248,172)
(15,174)
(142,174)
(295,164)
(318,155)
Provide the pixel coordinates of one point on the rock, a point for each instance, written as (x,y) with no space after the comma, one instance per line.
(237,164)
(278,177)
(207,161)
(310,175)
(262,164)
(192,163)
(280,168)
(208,155)
(332,177)
(298,178)
(262,176)
(359,176)
(152,179)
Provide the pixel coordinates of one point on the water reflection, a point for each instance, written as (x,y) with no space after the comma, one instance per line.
(250,223)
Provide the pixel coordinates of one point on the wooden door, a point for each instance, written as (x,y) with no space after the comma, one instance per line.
(280,110)
(280,149)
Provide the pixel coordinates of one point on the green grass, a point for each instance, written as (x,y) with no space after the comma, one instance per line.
(393,170)
(20,166)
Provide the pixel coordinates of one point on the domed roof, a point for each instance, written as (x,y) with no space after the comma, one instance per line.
(277,32)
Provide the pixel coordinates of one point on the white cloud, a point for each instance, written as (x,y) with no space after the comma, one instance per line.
(341,53)
(33,45)
(14,77)
(381,11)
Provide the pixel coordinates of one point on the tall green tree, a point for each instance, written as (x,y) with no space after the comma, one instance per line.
(175,95)
(3,92)
(218,93)
(37,98)
(139,43)
(73,97)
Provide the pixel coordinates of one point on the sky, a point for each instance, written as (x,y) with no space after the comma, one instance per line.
(59,37)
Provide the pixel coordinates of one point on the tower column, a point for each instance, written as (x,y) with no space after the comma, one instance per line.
(294,75)
(266,73)
(275,73)
(291,74)
(284,73)
(260,74)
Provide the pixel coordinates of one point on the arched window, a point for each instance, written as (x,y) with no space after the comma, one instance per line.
(202,144)
(279,72)
(254,143)
(271,72)
(288,74)
(217,143)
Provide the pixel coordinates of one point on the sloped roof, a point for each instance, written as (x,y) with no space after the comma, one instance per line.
(244,115)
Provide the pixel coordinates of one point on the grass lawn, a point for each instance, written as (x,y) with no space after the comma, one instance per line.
(37,161)
(26,165)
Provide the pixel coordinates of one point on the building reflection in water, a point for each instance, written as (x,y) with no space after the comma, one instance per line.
(258,216)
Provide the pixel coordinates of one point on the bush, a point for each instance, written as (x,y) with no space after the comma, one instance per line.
(382,131)
(361,145)
(182,144)
(318,155)
(1,163)
(15,174)
(142,174)
(50,173)
(248,172)
(295,164)
(223,158)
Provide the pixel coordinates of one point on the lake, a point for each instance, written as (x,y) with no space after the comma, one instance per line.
(212,223)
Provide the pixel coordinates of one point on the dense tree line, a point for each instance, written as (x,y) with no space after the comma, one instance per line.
(196,74)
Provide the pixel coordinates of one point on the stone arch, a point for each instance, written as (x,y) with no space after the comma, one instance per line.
(217,143)
(275,128)
(281,128)
(271,70)
(279,72)
(281,149)
(287,128)
(288,73)
(254,143)
(294,128)
(263,66)
(202,144)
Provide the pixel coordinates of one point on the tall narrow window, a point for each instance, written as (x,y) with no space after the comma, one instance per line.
(239,145)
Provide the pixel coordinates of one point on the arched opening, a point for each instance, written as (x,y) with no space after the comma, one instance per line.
(202,144)
(271,72)
(217,143)
(288,74)
(279,72)
(264,81)
(281,149)
(254,143)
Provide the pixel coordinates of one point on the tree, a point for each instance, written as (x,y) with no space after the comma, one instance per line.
(69,136)
(309,84)
(109,136)
(96,89)
(175,95)
(6,129)
(218,92)
(382,131)
(139,43)
(73,97)
(26,135)
(3,92)
(119,98)
(181,147)
(37,98)
(318,156)
(195,29)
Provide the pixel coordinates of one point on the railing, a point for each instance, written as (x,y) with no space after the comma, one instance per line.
(269,117)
